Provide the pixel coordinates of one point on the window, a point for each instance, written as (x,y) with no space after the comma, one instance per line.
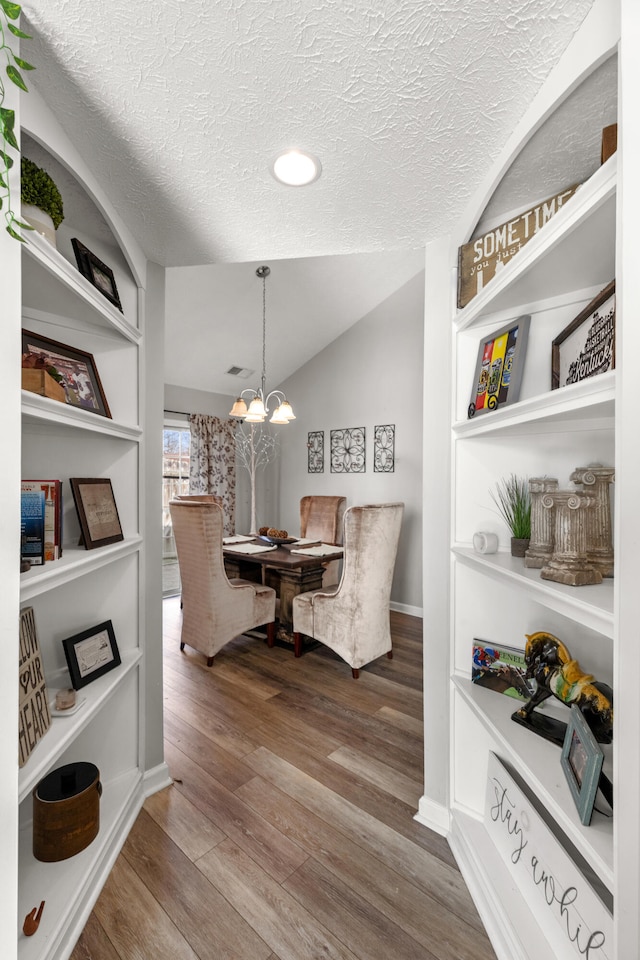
(175,480)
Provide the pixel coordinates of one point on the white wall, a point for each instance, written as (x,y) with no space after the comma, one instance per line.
(371,375)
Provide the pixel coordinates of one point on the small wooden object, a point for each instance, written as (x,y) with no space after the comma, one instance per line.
(609,142)
(66,811)
(32,920)
(42,383)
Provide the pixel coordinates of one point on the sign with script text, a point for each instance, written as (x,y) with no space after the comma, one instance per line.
(34,717)
(480,259)
(574,919)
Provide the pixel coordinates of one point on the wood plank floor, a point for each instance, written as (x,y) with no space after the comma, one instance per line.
(288,833)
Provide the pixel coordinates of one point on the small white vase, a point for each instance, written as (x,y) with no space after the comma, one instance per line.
(40,221)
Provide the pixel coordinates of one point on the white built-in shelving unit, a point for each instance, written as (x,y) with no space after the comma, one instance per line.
(494,597)
(84,587)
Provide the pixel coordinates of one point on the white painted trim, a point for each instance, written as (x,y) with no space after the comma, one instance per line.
(156,779)
(433,815)
(406,608)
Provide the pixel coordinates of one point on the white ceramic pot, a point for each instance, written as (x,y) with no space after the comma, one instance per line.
(40,221)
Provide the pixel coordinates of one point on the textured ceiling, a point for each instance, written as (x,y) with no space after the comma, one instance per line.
(180,105)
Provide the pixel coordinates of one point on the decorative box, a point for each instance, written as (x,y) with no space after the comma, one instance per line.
(42,383)
(66,811)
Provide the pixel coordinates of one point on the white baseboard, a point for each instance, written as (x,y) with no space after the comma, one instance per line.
(433,815)
(406,608)
(156,779)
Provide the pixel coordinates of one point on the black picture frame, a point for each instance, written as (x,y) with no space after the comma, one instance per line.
(97,512)
(91,653)
(499,366)
(581,761)
(587,346)
(80,379)
(96,272)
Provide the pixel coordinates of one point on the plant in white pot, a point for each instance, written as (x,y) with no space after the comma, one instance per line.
(41,200)
(513,500)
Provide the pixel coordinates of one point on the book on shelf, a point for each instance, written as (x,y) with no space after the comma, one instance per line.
(501,668)
(52,493)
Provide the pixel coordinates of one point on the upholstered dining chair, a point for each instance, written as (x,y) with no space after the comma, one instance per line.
(321,519)
(353,618)
(215,609)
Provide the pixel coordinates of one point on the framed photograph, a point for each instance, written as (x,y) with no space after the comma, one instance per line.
(582,764)
(91,654)
(96,272)
(587,346)
(75,369)
(498,373)
(97,511)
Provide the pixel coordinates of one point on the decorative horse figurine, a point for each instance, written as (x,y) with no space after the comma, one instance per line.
(556,673)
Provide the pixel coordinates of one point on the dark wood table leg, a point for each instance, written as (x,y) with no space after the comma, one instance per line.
(293,582)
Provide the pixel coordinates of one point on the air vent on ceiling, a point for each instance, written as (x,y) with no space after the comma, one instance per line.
(241,372)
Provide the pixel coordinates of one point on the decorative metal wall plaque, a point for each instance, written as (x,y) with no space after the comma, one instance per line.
(348,450)
(384,439)
(315,451)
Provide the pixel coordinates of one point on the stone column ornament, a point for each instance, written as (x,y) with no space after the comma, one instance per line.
(596,479)
(569,562)
(542,523)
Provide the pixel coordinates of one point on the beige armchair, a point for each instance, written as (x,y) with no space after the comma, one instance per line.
(214,608)
(353,618)
(321,518)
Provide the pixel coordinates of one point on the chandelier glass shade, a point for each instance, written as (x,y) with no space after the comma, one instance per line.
(259,400)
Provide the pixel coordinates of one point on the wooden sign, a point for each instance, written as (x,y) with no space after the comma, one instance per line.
(586,347)
(34,719)
(575,921)
(480,259)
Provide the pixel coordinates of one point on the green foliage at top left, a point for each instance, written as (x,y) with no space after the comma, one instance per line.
(13,67)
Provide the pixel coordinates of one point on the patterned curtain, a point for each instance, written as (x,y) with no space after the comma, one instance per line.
(213,463)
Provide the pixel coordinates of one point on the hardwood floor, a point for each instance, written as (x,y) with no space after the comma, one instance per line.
(288,833)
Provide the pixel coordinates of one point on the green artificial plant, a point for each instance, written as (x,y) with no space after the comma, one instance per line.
(513,500)
(8,12)
(38,188)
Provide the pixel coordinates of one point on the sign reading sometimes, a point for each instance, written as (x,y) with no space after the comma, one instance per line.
(575,921)
(480,259)
(34,718)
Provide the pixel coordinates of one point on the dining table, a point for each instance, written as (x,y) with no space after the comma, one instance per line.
(291,568)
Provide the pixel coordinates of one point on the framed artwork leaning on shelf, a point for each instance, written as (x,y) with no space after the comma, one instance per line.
(499,366)
(581,761)
(97,511)
(75,371)
(91,653)
(96,272)
(587,346)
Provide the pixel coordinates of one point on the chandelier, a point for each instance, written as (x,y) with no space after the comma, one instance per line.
(259,402)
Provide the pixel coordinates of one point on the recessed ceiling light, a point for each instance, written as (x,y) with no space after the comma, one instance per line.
(296,168)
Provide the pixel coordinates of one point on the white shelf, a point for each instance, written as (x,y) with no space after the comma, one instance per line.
(75,562)
(49,279)
(64,730)
(69,886)
(591,606)
(37,409)
(574,250)
(538,762)
(582,405)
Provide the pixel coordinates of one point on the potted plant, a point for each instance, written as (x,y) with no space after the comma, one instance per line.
(41,200)
(513,500)
(8,141)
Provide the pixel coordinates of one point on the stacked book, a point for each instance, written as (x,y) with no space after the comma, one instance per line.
(41,524)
